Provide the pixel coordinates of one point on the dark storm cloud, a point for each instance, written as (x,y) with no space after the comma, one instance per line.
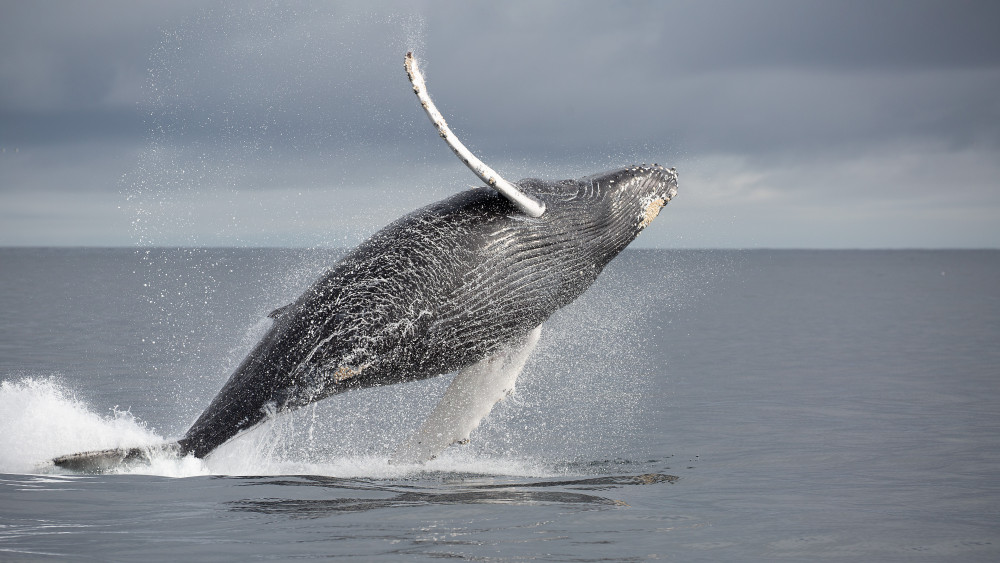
(64,55)
(124,72)
(519,77)
(65,126)
(747,76)
(845,34)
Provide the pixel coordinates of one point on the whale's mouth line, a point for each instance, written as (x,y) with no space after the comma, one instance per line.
(671,194)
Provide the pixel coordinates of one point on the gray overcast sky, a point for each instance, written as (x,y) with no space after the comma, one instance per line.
(860,124)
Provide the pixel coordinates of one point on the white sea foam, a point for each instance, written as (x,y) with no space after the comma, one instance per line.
(42,419)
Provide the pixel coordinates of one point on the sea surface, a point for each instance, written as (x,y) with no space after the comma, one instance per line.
(693,406)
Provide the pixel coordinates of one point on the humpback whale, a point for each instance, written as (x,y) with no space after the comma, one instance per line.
(462,285)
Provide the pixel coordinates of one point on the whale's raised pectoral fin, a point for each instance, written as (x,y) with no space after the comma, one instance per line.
(527,204)
(467,401)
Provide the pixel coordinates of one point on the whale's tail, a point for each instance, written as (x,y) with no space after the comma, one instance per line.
(102,461)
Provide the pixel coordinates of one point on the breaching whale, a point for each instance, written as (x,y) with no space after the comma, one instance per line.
(462,285)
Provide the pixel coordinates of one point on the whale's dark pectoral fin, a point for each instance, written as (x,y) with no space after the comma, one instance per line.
(279,311)
(467,401)
(103,461)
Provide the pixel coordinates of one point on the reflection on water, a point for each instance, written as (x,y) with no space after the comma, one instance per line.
(359,495)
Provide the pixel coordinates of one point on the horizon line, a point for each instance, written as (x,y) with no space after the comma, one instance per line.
(286,247)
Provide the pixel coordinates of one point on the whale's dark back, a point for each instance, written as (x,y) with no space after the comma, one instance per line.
(433,292)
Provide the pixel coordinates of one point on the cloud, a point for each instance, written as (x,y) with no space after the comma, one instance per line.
(61,56)
(923,196)
(758,104)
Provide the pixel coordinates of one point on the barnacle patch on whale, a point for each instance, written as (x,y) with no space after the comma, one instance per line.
(343,373)
(650,209)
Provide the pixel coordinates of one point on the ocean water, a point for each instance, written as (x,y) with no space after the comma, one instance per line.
(693,406)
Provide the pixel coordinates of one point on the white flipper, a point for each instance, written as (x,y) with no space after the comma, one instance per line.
(467,401)
(529,205)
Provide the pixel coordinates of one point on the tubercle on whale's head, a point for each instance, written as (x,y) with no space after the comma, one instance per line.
(639,191)
(654,186)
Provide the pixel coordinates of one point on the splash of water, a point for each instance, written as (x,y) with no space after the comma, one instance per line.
(42,419)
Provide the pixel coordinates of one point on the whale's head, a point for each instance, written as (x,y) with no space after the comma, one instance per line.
(608,209)
(628,199)
(637,193)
